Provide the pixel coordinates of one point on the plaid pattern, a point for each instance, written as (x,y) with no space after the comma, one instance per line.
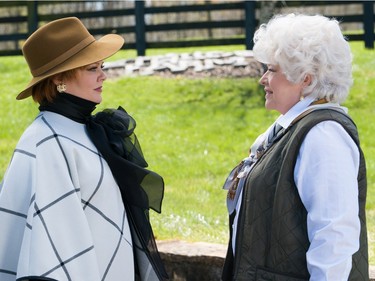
(61,212)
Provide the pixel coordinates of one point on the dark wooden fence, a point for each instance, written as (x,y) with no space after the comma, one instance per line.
(139,28)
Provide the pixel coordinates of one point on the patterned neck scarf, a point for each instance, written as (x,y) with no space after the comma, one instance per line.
(236,179)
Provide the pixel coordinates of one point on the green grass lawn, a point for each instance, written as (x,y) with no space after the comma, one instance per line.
(193,132)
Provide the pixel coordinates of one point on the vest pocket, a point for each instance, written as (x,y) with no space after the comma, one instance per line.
(264,274)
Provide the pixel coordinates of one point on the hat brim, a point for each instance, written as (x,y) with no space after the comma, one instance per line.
(99,50)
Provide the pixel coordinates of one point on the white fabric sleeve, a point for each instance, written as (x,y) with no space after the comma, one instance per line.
(326,177)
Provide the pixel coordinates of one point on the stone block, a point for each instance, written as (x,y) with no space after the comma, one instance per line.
(198,261)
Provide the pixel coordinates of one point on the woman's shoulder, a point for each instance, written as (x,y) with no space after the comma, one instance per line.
(48,125)
(29,138)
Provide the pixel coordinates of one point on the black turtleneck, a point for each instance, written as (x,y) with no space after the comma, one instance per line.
(72,107)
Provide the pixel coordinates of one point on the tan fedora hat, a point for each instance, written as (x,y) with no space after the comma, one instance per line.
(62,45)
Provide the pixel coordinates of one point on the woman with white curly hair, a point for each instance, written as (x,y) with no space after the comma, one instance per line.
(297,203)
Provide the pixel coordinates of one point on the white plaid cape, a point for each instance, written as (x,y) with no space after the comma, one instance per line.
(61,212)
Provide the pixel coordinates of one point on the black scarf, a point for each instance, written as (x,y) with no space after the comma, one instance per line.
(112,132)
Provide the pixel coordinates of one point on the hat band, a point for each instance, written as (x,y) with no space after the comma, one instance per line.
(63,57)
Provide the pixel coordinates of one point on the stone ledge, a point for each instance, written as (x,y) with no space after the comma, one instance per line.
(198,261)
(192,261)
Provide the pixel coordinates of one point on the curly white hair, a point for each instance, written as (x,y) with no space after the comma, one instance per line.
(308,45)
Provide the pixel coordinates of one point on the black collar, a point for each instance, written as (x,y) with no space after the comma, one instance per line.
(70,106)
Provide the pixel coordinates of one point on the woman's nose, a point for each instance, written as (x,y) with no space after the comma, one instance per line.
(103,75)
(263,79)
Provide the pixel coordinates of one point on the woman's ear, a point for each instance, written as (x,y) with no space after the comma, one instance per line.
(307,81)
(56,79)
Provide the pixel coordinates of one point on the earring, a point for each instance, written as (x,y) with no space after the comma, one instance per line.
(302,97)
(61,87)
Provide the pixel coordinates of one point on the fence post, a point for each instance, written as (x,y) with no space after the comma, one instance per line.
(249,24)
(32,16)
(140,28)
(368,23)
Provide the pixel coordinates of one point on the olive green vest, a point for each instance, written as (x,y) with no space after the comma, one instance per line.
(272,241)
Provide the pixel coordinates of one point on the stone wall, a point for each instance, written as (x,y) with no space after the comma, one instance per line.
(218,64)
(198,261)
(192,261)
